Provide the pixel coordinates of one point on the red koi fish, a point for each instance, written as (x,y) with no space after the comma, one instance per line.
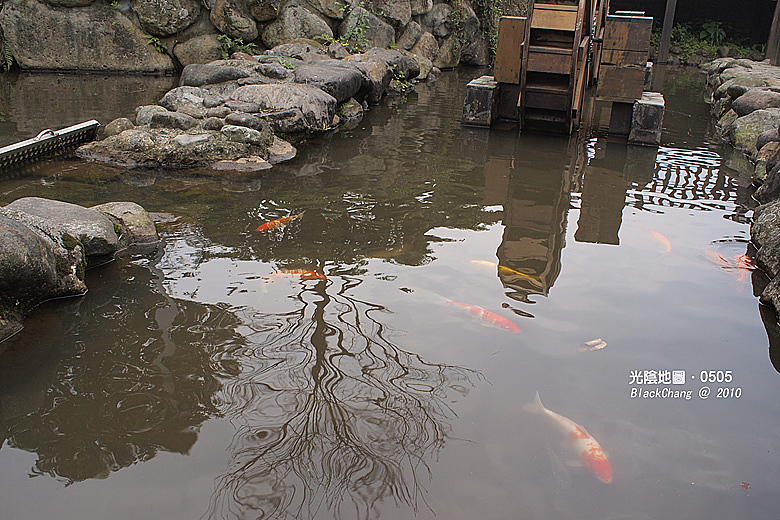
(489,317)
(661,239)
(590,453)
(278,223)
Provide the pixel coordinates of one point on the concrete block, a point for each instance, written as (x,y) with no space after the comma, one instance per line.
(479,109)
(647,119)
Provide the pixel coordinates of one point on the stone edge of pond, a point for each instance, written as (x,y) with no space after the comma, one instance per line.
(47,246)
(243,113)
(745,103)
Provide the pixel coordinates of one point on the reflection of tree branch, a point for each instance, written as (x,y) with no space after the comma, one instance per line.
(329,412)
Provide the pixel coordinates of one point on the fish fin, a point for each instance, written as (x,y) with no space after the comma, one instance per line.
(574,463)
(536,406)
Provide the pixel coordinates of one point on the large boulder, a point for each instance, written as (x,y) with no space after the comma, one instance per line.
(401,64)
(409,36)
(438,20)
(310,105)
(93,38)
(166,17)
(94,230)
(766,223)
(427,46)
(263,10)
(330,8)
(362,30)
(197,74)
(200,49)
(377,75)
(334,77)
(754,99)
(231,18)
(744,131)
(448,55)
(136,224)
(295,21)
(397,12)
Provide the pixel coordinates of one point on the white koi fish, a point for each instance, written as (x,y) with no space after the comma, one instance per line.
(591,454)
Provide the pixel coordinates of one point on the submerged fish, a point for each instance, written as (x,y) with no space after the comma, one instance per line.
(489,317)
(594,344)
(304,274)
(590,453)
(503,269)
(280,222)
(742,263)
(661,239)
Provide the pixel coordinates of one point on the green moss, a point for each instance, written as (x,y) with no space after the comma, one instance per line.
(70,242)
(118,229)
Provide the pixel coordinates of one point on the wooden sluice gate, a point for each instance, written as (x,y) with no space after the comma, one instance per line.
(546,61)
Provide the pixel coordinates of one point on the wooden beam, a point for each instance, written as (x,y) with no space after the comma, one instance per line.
(666,34)
(773,45)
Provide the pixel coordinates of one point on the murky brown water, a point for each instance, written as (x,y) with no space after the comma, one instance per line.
(213,380)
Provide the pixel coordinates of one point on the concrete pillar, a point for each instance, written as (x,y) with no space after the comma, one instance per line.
(647,119)
(480,107)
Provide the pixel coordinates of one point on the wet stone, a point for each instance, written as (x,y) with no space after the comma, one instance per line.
(213,123)
(243,106)
(244,119)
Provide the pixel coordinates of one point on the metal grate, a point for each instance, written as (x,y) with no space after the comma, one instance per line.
(47,142)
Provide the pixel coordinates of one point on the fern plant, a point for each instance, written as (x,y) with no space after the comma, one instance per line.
(228,46)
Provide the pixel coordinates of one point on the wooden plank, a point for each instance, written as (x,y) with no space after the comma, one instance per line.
(558,20)
(624,84)
(621,58)
(508,98)
(773,44)
(630,33)
(540,61)
(511,34)
(546,100)
(666,33)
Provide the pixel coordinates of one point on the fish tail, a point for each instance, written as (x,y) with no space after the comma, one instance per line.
(536,406)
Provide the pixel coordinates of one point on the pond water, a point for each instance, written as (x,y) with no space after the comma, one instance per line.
(379,355)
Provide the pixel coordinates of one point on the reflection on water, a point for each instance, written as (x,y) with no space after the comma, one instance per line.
(361,392)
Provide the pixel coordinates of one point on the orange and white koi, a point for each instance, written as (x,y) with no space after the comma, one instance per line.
(278,223)
(661,239)
(590,453)
(503,269)
(489,317)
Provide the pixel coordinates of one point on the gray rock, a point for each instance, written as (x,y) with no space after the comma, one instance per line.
(376,76)
(734,91)
(218,112)
(191,139)
(766,223)
(300,49)
(755,99)
(263,10)
(316,107)
(287,121)
(244,164)
(244,119)
(181,96)
(93,229)
(337,51)
(426,46)
(770,188)
(448,56)
(397,12)
(438,20)
(134,220)
(420,6)
(280,150)
(166,17)
(213,123)
(200,49)
(118,125)
(197,75)
(295,21)
(335,9)
(475,52)
(401,64)
(768,256)
(213,101)
(54,38)
(172,120)
(143,114)
(242,134)
(334,77)
(242,106)
(362,30)
(409,37)
(423,63)
(232,18)
(767,136)
(744,131)
(273,70)
(69,3)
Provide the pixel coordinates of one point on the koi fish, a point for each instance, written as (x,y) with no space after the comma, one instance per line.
(303,273)
(594,344)
(489,317)
(280,222)
(661,239)
(591,454)
(742,262)
(503,269)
